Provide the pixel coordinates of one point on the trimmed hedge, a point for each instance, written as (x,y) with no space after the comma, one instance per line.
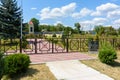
(17,63)
(107,54)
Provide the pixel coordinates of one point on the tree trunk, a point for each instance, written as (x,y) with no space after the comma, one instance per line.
(11,40)
(0,77)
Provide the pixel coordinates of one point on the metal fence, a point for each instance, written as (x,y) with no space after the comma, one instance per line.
(54,45)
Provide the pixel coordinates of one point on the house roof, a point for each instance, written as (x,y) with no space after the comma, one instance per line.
(31,22)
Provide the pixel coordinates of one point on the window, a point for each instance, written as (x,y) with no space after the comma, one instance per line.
(31,29)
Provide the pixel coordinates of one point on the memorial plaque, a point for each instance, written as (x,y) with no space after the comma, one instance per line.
(93,45)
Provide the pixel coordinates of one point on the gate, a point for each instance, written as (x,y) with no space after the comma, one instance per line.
(56,45)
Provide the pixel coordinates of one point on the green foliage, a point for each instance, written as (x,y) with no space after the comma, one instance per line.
(2,65)
(100,30)
(106,31)
(111,31)
(119,31)
(78,26)
(10,18)
(17,63)
(68,31)
(24,42)
(107,54)
(30,36)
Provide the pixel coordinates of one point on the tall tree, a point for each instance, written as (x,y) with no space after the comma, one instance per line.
(60,27)
(36,24)
(78,26)
(10,18)
(119,31)
(100,30)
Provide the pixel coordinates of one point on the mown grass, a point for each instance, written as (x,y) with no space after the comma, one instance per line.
(110,70)
(35,72)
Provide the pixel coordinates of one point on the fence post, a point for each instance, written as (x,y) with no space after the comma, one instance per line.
(67,45)
(35,43)
(52,46)
(20,45)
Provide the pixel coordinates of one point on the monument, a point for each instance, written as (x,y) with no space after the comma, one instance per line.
(31,27)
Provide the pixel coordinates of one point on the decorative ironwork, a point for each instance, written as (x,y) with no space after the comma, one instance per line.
(59,46)
(9,46)
(30,47)
(54,45)
(74,44)
(44,45)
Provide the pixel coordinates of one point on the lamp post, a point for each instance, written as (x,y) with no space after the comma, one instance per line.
(21,18)
(21,26)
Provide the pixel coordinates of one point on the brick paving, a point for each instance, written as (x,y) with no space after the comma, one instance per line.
(43,58)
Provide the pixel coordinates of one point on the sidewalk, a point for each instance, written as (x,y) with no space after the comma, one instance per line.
(75,70)
(43,58)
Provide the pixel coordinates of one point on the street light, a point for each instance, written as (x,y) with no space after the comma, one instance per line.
(21,29)
(21,19)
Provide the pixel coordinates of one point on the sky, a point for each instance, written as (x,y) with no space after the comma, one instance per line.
(67,12)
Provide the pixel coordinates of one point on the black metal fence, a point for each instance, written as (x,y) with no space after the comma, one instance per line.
(54,45)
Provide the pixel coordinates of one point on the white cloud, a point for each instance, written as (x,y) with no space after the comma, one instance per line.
(57,22)
(104,9)
(95,21)
(117,22)
(82,13)
(44,24)
(48,13)
(114,14)
(99,21)
(33,8)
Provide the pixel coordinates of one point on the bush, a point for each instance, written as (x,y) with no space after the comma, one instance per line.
(17,63)
(107,54)
(24,43)
(2,65)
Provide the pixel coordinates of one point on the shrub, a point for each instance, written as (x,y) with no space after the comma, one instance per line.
(17,63)
(2,65)
(107,54)
(24,43)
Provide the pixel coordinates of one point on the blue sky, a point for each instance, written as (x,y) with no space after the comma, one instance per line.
(87,12)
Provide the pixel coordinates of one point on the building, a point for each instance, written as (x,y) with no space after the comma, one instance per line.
(53,34)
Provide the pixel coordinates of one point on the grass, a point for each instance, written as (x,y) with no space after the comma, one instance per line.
(7,45)
(35,72)
(110,70)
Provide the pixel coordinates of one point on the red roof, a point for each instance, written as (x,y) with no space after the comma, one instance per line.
(30,22)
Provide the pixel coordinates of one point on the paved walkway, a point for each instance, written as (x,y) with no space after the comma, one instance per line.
(43,58)
(75,70)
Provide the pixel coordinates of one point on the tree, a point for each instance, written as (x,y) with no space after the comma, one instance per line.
(119,31)
(68,30)
(25,27)
(100,30)
(36,24)
(111,31)
(10,18)
(78,26)
(60,27)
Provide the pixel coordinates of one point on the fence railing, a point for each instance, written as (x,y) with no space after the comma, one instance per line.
(54,45)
